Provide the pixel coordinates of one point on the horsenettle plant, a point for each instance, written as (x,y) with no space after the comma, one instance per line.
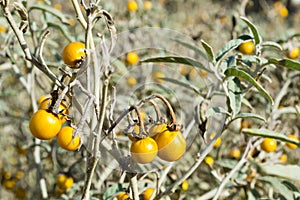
(228,114)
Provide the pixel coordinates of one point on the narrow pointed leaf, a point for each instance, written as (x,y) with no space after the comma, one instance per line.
(184,84)
(235,95)
(290,172)
(177,59)
(242,74)
(253,29)
(209,51)
(272,44)
(250,115)
(216,110)
(196,49)
(291,64)
(276,183)
(63,18)
(269,134)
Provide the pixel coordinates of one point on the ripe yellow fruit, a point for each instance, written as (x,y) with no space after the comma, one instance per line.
(171,145)
(268,145)
(157,75)
(291,145)
(132,6)
(147,5)
(293,53)
(122,196)
(209,161)
(156,129)
(203,73)
(131,81)
(9,184)
(283,158)
(184,185)
(283,12)
(147,194)
(41,99)
(218,140)
(235,153)
(64,182)
(44,125)
(132,58)
(144,150)
(73,53)
(2,29)
(65,139)
(247,48)
(62,108)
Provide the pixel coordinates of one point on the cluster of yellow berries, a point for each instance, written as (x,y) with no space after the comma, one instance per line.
(132,5)
(45,125)
(10,183)
(63,183)
(168,145)
(149,193)
(281,9)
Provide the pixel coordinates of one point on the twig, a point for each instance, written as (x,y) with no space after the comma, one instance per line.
(238,166)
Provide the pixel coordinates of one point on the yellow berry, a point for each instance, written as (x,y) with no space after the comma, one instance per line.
(132,58)
(235,153)
(283,158)
(209,161)
(157,75)
(293,53)
(247,47)
(268,145)
(147,5)
(185,185)
(73,53)
(291,145)
(147,194)
(132,6)
(131,81)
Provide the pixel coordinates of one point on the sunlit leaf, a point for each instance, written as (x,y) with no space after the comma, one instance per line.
(253,29)
(276,183)
(269,134)
(231,45)
(216,110)
(242,74)
(177,59)
(291,64)
(249,115)
(272,44)
(226,163)
(290,172)
(235,95)
(63,18)
(209,51)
